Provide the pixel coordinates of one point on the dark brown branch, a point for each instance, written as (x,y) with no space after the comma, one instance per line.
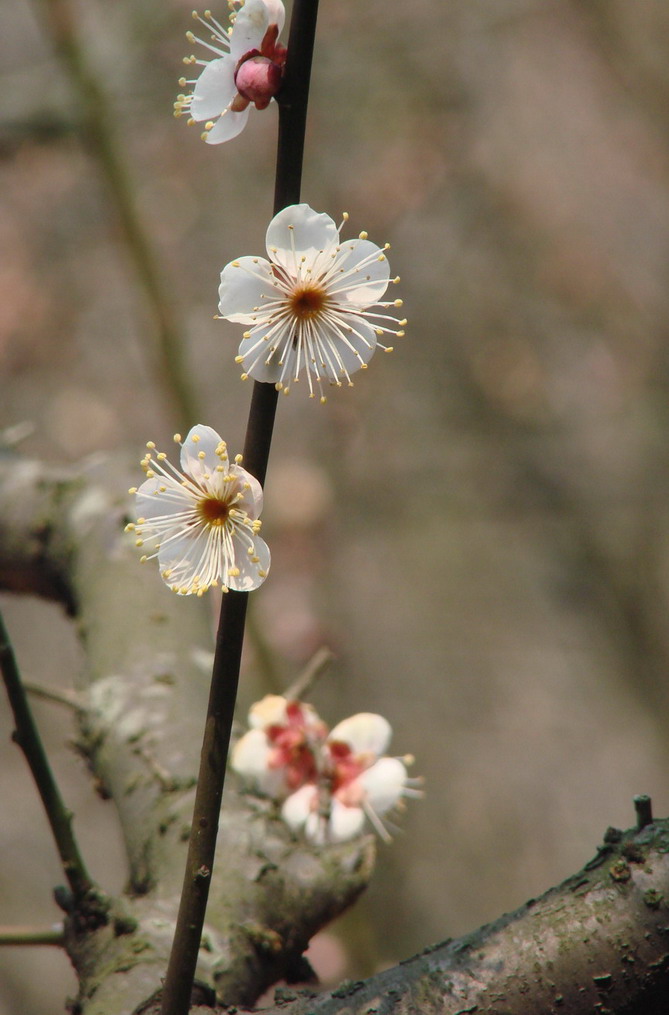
(599,942)
(26,735)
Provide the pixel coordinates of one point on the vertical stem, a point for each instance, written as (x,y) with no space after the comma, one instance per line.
(27,737)
(225,676)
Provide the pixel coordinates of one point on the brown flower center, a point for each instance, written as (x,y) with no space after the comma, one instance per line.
(307,301)
(213,511)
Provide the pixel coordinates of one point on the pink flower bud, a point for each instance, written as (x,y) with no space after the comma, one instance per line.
(258,79)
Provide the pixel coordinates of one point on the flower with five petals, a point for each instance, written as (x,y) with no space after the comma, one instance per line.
(203,520)
(314,307)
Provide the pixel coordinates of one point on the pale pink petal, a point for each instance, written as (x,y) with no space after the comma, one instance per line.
(365,733)
(384,784)
(251,758)
(269,711)
(299,805)
(345,822)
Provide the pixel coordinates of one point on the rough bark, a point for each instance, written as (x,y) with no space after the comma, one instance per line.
(597,943)
(143,706)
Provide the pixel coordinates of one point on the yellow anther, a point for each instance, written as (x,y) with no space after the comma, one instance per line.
(150,445)
(195,438)
(388,348)
(398,303)
(201,455)
(244,377)
(133,489)
(323,399)
(143,559)
(381,257)
(400,334)
(238,461)
(190,36)
(364,235)
(345,216)
(139,542)
(130,527)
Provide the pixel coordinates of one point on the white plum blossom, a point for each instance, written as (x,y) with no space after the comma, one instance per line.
(314,307)
(201,522)
(278,753)
(328,785)
(247,67)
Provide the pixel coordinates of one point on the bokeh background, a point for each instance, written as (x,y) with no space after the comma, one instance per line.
(479,529)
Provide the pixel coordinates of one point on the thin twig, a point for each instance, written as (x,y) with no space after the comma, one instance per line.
(105,146)
(54,935)
(316,666)
(27,737)
(68,699)
(225,677)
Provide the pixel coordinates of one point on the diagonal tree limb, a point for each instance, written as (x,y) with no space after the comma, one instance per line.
(599,942)
(143,699)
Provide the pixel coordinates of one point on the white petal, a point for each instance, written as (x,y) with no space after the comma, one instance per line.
(228,125)
(249,577)
(364,285)
(354,340)
(384,783)
(311,232)
(251,500)
(214,89)
(200,440)
(152,502)
(345,822)
(299,805)
(276,13)
(188,556)
(255,357)
(269,711)
(250,758)
(365,733)
(250,26)
(246,284)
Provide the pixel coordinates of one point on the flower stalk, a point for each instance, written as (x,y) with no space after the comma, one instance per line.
(293,100)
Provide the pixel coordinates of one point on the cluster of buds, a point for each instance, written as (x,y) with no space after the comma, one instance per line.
(328,783)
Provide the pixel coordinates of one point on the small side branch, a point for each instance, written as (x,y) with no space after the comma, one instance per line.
(33,936)
(27,737)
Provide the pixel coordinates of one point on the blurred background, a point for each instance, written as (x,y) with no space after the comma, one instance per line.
(479,529)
